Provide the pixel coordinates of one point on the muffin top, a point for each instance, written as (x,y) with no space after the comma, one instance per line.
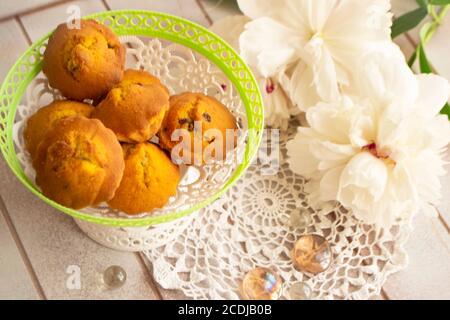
(79,163)
(203,118)
(46,117)
(84,63)
(135,108)
(149,180)
(140,77)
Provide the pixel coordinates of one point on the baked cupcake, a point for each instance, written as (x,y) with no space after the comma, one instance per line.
(46,118)
(84,63)
(135,108)
(140,77)
(79,163)
(149,180)
(207,126)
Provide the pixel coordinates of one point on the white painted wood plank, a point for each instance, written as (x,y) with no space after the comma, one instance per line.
(15,282)
(218,9)
(438,49)
(428,273)
(12,44)
(53,242)
(400,7)
(444,206)
(9,8)
(188,9)
(40,23)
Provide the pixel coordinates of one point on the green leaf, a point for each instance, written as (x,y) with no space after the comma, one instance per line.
(423,61)
(408,21)
(427,31)
(446,110)
(422,3)
(412,59)
(438,2)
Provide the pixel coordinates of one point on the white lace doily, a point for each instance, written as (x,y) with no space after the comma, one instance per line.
(251,226)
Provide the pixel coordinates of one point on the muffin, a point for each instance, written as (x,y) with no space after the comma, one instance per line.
(46,118)
(149,180)
(140,77)
(79,163)
(205,123)
(84,63)
(134,109)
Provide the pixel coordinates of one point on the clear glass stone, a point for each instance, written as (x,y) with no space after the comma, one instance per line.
(301,219)
(312,254)
(300,291)
(261,284)
(114,277)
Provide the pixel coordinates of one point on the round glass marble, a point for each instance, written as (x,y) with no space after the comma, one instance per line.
(300,219)
(300,291)
(114,277)
(312,254)
(261,284)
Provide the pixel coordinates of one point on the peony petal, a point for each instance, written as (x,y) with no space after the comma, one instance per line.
(434,92)
(288,12)
(332,121)
(324,69)
(268,45)
(318,12)
(276,104)
(329,185)
(363,181)
(300,158)
(354,23)
(425,170)
(386,82)
(301,89)
(355,28)
(326,150)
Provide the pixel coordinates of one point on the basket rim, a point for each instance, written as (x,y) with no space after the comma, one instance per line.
(250,151)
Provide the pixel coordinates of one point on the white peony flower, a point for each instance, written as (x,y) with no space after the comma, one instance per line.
(318,41)
(379,149)
(277,105)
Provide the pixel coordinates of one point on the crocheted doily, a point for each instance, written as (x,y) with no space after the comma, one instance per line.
(256,224)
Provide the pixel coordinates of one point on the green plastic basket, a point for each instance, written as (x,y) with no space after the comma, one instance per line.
(148,24)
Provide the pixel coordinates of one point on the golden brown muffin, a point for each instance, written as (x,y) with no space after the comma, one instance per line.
(140,77)
(205,122)
(84,63)
(79,163)
(149,180)
(135,108)
(46,118)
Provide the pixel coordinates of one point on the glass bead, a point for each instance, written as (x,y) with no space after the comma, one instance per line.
(312,254)
(261,284)
(300,291)
(114,277)
(301,219)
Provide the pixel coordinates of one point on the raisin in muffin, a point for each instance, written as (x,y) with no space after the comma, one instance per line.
(79,163)
(84,63)
(207,128)
(149,180)
(46,118)
(134,109)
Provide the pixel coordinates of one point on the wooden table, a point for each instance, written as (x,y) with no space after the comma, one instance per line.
(38,243)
